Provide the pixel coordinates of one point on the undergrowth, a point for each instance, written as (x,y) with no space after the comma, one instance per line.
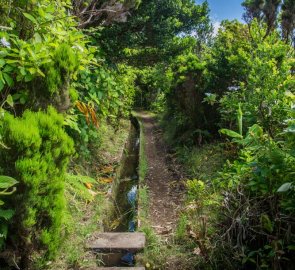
(204,162)
(239,203)
(86,210)
(200,210)
(86,191)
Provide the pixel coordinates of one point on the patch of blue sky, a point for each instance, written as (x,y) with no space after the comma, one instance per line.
(224,10)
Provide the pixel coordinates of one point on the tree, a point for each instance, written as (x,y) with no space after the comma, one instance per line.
(253,10)
(154,25)
(268,12)
(262,10)
(288,19)
(228,58)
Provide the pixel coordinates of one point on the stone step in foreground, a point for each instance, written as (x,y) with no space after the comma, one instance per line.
(116,268)
(116,242)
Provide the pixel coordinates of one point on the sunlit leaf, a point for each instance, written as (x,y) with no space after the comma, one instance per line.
(30,17)
(7,182)
(231,133)
(2,62)
(285,187)
(9,100)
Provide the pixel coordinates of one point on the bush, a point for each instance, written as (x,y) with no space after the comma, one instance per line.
(37,156)
(40,57)
(259,187)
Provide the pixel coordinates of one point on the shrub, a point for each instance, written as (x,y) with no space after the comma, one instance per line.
(37,155)
(259,187)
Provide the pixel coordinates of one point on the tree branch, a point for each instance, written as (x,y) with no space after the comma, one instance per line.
(101,12)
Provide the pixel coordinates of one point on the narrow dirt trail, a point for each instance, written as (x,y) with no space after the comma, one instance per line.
(162,180)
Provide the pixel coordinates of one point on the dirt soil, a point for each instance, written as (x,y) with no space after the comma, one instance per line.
(163,180)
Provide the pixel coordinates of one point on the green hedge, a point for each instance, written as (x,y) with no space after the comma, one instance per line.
(37,156)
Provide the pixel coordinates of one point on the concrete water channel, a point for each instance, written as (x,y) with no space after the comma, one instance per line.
(117,247)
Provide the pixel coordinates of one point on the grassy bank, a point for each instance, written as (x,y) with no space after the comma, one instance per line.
(86,191)
(196,226)
(142,171)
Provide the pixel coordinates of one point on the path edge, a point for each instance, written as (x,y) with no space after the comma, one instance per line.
(142,171)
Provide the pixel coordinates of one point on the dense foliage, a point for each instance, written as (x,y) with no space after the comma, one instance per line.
(243,83)
(149,34)
(54,84)
(268,11)
(37,154)
(68,66)
(240,83)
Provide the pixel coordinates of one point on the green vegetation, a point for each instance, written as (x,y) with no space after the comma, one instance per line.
(244,84)
(88,208)
(72,71)
(38,156)
(240,85)
(7,188)
(85,214)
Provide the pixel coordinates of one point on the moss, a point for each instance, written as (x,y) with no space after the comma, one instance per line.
(74,94)
(38,155)
(63,66)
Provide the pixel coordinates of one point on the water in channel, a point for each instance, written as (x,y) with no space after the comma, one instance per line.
(126,191)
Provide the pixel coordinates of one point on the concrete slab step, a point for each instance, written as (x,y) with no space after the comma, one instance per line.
(117,268)
(116,242)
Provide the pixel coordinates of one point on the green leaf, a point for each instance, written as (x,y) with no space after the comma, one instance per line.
(3,231)
(22,100)
(2,62)
(245,259)
(8,68)
(99,94)
(240,120)
(285,187)
(40,72)
(38,37)
(1,85)
(16,96)
(266,223)
(28,77)
(231,133)
(7,181)
(30,17)
(11,61)
(9,100)
(2,145)
(6,214)
(22,71)
(291,247)
(8,79)
(255,131)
